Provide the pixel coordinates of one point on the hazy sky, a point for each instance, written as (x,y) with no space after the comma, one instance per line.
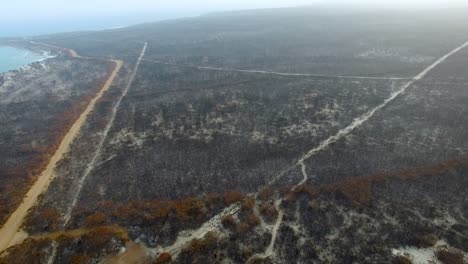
(26,17)
(32,9)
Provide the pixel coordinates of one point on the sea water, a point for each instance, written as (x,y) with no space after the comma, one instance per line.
(14,58)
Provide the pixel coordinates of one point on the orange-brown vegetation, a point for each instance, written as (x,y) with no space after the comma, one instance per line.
(247,223)
(190,210)
(252,219)
(164,258)
(185,210)
(205,244)
(30,251)
(228,221)
(265,193)
(233,197)
(214,198)
(242,228)
(100,237)
(23,176)
(247,252)
(97,219)
(36,248)
(402,260)
(269,212)
(358,190)
(248,203)
(50,216)
(80,259)
(450,256)
(63,235)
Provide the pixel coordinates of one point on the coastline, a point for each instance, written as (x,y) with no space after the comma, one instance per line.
(14,57)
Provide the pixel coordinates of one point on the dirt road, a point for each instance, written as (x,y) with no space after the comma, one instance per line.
(106,131)
(301,161)
(281,73)
(12,227)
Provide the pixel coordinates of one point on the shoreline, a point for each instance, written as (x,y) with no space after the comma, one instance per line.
(10,231)
(28,57)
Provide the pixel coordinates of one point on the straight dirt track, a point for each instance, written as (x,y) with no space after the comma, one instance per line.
(9,230)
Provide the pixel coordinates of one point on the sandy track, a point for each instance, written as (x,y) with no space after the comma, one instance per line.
(304,174)
(301,161)
(342,133)
(70,52)
(211,225)
(282,73)
(14,222)
(359,121)
(98,151)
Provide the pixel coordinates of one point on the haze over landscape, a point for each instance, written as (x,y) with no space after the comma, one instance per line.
(27,17)
(257,132)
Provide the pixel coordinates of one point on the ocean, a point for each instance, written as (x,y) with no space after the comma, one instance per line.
(33,27)
(14,58)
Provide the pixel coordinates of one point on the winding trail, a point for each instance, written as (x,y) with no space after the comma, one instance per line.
(279,220)
(215,223)
(322,146)
(274,234)
(304,173)
(12,226)
(342,133)
(281,73)
(365,117)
